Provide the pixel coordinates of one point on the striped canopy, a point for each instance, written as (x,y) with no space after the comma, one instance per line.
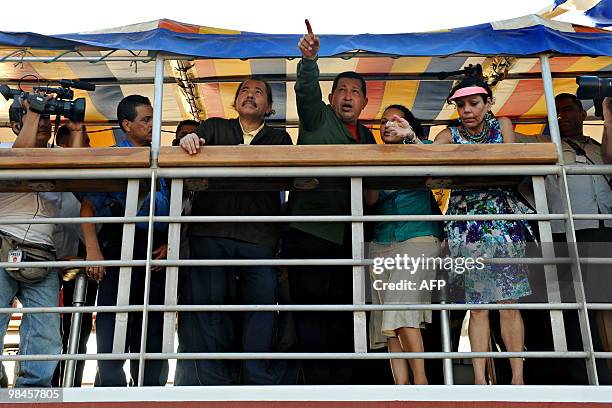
(400,68)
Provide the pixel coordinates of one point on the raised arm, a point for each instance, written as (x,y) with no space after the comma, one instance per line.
(308,94)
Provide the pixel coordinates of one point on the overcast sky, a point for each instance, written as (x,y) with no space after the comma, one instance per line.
(269,16)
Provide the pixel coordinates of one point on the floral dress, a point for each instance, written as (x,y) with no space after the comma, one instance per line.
(489,239)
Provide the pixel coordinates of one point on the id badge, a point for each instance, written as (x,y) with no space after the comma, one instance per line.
(14,255)
(580,158)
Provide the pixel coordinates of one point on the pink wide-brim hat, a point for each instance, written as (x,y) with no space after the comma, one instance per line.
(467,91)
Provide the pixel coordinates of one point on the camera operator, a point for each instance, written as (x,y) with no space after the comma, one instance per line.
(589,194)
(34,287)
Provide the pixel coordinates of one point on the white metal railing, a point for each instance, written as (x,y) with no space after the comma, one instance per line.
(358,261)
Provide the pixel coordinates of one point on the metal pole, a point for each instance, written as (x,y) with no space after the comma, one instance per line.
(555,134)
(157,108)
(78,300)
(125,272)
(359,318)
(583,314)
(551,109)
(147,285)
(550,271)
(172,272)
(447,363)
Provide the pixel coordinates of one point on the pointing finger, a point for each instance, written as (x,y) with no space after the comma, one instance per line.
(308,26)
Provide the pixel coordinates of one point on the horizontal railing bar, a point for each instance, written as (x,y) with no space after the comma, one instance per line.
(296,356)
(360,171)
(74,220)
(588,170)
(283,218)
(301,171)
(284,78)
(592,216)
(66,58)
(362,218)
(279,262)
(303,218)
(71,264)
(297,308)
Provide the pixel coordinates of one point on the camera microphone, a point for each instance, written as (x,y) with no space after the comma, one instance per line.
(83,85)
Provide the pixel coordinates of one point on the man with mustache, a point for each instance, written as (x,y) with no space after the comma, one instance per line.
(135,117)
(39,333)
(336,123)
(215,331)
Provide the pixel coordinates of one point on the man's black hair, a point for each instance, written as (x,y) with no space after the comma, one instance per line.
(268,92)
(185,122)
(351,75)
(62,136)
(127,108)
(573,97)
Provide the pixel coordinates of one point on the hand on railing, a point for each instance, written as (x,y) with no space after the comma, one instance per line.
(160,253)
(191,143)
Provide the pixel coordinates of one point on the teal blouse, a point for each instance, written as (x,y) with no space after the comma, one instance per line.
(405,202)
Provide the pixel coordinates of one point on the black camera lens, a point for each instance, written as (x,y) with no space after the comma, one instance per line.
(592,87)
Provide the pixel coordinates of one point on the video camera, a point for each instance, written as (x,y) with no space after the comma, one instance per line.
(592,87)
(474,71)
(62,104)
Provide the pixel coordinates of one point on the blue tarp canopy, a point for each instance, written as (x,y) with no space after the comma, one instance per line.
(517,37)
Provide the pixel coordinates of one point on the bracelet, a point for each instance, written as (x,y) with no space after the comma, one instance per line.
(410,140)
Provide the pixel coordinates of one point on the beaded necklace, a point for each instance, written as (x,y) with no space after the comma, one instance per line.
(480,136)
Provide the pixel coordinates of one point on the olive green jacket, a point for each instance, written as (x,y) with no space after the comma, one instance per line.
(320,125)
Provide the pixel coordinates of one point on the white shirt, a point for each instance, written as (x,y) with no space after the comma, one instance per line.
(589,194)
(249,136)
(29,205)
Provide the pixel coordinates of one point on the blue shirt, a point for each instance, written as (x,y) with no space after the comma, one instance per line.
(102,201)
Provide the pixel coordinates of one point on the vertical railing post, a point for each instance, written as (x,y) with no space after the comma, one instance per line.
(359,318)
(157,108)
(147,283)
(555,135)
(125,272)
(172,272)
(551,276)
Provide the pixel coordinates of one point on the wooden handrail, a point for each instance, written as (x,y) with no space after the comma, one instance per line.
(359,155)
(303,155)
(74,158)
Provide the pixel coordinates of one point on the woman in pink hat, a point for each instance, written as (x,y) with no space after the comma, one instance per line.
(487,283)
